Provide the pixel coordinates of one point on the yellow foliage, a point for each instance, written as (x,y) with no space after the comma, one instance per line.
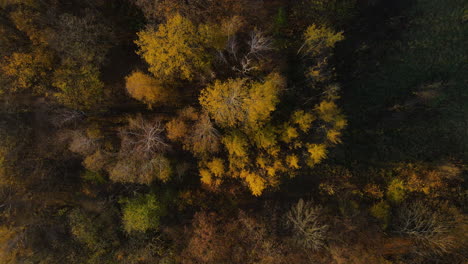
(213,36)
(28,70)
(204,137)
(292,161)
(237,163)
(236,144)
(265,138)
(289,133)
(29,21)
(273,170)
(340,122)
(175,49)
(238,101)
(224,101)
(10,247)
(176,129)
(255,182)
(303,120)
(319,38)
(317,152)
(262,161)
(189,113)
(145,88)
(327,111)
(334,136)
(206,177)
(161,167)
(432,181)
(216,167)
(262,99)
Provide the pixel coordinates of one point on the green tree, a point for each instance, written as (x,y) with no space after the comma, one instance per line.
(142,213)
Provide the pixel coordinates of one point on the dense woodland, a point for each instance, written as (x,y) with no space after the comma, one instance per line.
(234,131)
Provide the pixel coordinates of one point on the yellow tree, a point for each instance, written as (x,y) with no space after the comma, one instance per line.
(224,101)
(28,71)
(317,39)
(174,49)
(147,89)
(242,102)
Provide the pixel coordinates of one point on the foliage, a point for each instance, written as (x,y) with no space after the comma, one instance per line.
(79,86)
(93,177)
(225,101)
(91,230)
(142,213)
(28,72)
(202,140)
(318,39)
(85,39)
(146,89)
(396,191)
(248,105)
(381,211)
(172,50)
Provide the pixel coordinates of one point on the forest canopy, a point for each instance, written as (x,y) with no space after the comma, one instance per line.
(233,131)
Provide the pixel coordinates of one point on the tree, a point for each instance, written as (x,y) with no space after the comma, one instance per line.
(142,213)
(93,231)
(243,108)
(202,140)
(79,85)
(239,102)
(432,228)
(147,89)
(83,39)
(224,101)
(141,156)
(304,220)
(142,137)
(173,50)
(28,72)
(318,39)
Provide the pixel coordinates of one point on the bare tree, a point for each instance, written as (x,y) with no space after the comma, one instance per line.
(232,46)
(142,137)
(258,44)
(308,231)
(428,227)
